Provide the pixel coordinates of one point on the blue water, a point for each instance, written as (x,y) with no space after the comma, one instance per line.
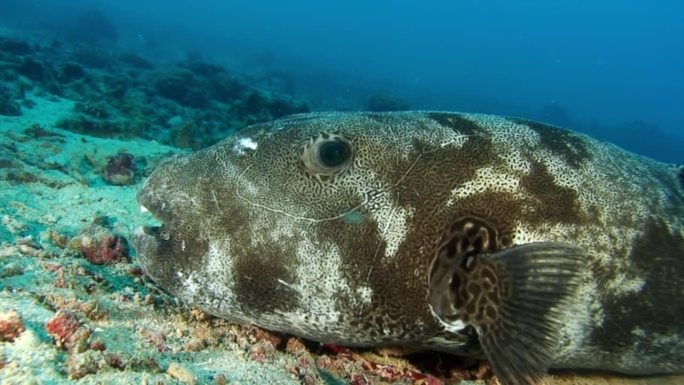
(614,68)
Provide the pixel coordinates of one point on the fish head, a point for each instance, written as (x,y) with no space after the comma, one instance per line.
(321,225)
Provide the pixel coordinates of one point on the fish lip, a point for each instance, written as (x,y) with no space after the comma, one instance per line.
(145,244)
(148,238)
(140,235)
(154,231)
(145,231)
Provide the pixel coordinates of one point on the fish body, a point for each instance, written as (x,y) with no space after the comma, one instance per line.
(527,244)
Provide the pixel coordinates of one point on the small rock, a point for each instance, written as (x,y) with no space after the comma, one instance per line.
(71,71)
(30,251)
(28,246)
(78,342)
(80,365)
(304,367)
(65,327)
(32,69)
(6,163)
(262,351)
(195,344)
(98,345)
(59,240)
(183,88)
(13,225)
(11,269)
(92,309)
(181,373)
(11,326)
(8,106)
(258,334)
(156,338)
(120,170)
(220,379)
(116,361)
(176,120)
(296,347)
(100,245)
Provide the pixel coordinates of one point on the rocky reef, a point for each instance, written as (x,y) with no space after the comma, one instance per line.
(189,104)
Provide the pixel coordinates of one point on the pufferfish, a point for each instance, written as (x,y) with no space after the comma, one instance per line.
(526,244)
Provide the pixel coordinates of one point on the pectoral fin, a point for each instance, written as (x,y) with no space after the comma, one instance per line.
(515,299)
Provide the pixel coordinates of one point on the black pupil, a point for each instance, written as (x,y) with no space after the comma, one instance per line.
(334,153)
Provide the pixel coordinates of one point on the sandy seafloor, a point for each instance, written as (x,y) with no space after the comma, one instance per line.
(66,320)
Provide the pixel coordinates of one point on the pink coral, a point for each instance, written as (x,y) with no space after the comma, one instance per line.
(11,326)
(63,326)
(100,245)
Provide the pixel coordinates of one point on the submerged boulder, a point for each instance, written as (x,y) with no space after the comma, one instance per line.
(8,106)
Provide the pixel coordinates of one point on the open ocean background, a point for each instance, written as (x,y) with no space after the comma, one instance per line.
(613,69)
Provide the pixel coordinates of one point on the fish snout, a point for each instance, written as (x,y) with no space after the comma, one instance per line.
(172,243)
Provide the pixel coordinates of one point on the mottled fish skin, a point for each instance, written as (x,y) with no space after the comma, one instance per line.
(257,230)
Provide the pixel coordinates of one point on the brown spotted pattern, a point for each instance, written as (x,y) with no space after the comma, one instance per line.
(472,292)
(478,290)
(560,141)
(466,237)
(254,231)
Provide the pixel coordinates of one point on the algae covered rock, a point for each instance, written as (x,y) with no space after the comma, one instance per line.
(8,106)
(183,88)
(120,170)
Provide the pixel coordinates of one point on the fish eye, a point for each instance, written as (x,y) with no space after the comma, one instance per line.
(327,156)
(334,153)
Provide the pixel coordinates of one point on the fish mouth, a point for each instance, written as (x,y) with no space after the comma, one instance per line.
(157,254)
(152,238)
(169,244)
(147,240)
(150,230)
